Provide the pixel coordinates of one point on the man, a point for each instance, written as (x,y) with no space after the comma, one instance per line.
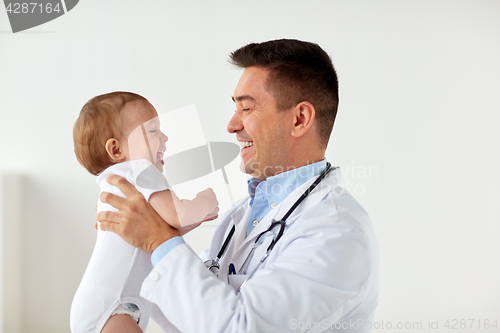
(322,274)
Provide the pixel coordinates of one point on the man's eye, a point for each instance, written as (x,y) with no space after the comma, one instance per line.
(244,109)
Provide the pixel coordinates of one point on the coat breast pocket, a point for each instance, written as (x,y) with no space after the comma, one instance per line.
(237,280)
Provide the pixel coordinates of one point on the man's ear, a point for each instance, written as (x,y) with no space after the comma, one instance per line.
(304,118)
(114,150)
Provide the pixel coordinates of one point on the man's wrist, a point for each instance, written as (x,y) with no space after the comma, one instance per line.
(160,240)
(161,251)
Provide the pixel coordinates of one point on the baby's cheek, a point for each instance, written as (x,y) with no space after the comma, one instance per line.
(139,153)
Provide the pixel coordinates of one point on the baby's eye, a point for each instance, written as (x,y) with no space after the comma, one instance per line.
(152,131)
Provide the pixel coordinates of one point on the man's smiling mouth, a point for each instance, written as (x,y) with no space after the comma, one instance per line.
(246,144)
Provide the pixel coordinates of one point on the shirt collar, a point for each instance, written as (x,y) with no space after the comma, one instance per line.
(278,187)
(252,186)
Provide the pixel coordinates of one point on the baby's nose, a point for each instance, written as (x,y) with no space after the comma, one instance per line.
(164,137)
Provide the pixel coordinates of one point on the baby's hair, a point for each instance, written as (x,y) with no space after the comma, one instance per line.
(99,121)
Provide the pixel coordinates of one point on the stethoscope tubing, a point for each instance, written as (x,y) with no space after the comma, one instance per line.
(282,223)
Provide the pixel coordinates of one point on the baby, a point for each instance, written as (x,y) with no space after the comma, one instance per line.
(119,133)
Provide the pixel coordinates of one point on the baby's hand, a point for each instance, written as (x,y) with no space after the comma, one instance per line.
(209,195)
(210,217)
(209,200)
(213,215)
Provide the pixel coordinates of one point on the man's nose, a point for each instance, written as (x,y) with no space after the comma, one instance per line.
(235,124)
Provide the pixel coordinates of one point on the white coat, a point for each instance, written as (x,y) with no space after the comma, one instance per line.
(322,275)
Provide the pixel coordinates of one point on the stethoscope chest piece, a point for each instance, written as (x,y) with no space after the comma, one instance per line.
(213,266)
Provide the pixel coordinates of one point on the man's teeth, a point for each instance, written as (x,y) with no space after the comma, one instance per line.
(244,144)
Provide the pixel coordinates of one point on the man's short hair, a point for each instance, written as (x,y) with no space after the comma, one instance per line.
(299,71)
(99,121)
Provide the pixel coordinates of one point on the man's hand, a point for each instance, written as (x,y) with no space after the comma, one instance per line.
(136,221)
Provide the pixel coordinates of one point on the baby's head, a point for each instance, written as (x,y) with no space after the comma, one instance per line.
(118,127)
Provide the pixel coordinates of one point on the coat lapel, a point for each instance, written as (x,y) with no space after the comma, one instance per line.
(240,246)
(327,185)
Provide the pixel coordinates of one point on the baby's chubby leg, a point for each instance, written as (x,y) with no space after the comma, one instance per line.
(121,323)
(114,276)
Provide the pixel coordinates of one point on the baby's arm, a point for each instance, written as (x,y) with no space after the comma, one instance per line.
(180,213)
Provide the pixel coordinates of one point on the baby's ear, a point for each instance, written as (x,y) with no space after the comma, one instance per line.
(115,150)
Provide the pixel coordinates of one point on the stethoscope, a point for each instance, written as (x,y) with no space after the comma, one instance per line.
(213,264)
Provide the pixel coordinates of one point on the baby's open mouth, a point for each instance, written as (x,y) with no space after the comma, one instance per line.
(159,157)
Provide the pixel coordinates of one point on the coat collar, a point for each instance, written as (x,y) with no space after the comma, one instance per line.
(327,185)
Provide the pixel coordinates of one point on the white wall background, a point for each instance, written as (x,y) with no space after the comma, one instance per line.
(419,88)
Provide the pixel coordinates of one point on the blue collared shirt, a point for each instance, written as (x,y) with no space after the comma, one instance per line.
(264,196)
(267,194)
